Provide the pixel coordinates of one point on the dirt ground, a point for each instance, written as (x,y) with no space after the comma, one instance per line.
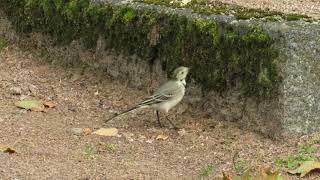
(49,147)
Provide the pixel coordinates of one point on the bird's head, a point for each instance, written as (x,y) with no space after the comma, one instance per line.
(180,73)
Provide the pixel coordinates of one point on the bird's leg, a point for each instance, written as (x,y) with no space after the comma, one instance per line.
(172,124)
(158,118)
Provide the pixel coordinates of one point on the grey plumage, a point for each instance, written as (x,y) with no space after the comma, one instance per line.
(165,97)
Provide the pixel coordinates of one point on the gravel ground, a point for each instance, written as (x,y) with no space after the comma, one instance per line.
(306,7)
(49,147)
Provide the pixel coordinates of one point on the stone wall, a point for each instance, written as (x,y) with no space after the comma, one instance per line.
(295,109)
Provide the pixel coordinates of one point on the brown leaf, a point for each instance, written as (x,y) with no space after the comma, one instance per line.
(306,167)
(38,109)
(87,131)
(49,104)
(265,172)
(6,149)
(266,175)
(162,137)
(107,132)
(226,177)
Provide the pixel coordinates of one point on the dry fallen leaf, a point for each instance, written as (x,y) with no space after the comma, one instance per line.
(6,149)
(86,131)
(49,104)
(107,132)
(226,177)
(33,105)
(265,174)
(38,109)
(306,167)
(162,137)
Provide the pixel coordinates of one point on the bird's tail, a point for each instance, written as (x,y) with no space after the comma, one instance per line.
(123,112)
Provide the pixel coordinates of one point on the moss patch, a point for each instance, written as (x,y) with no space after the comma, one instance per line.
(218,54)
(214,7)
(3,43)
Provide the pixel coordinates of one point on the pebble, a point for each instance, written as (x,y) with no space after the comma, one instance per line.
(128,136)
(182,132)
(150,141)
(16,91)
(76,131)
(33,89)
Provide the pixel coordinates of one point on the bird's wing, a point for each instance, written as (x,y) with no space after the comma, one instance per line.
(164,93)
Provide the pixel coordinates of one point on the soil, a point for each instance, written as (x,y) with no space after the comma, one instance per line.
(48,145)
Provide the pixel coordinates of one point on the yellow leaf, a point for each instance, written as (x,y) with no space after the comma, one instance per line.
(107,132)
(33,105)
(306,167)
(162,137)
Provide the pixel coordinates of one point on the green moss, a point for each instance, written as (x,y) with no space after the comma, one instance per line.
(3,43)
(295,17)
(129,16)
(219,54)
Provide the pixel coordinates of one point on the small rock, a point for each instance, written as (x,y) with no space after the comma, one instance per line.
(75,77)
(23,97)
(141,138)
(128,136)
(22,111)
(96,93)
(182,132)
(72,108)
(33,89)
(77,131)
(16,91)
(150,141)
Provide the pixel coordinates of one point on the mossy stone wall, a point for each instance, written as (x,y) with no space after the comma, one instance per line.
(219,54)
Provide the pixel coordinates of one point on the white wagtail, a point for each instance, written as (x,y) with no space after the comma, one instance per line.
(165,97)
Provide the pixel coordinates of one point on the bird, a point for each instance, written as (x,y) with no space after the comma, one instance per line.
(167,96)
